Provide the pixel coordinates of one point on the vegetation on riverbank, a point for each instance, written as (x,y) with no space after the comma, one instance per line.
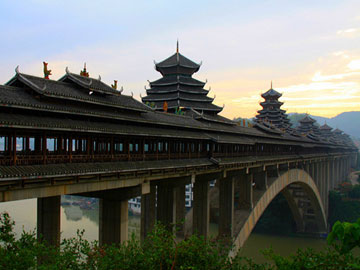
(161,251)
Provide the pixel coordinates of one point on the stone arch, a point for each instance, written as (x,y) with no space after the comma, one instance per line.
(292,176)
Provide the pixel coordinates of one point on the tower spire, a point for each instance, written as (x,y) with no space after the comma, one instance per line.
(177,51)
(271,85)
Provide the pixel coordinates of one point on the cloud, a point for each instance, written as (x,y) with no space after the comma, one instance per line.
(341,53)
(346,31)
(354,64)
(318,77)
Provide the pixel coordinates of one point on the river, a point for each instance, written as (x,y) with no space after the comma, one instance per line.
(74,218)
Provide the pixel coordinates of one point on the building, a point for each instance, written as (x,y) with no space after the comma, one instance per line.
(271,112)
(177,89)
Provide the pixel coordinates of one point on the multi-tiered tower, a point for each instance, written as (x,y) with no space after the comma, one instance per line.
(177,89)
(271,112)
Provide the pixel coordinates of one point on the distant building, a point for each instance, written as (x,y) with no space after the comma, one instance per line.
(271,112)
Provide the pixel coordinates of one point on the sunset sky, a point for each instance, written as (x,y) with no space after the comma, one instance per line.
(309,49)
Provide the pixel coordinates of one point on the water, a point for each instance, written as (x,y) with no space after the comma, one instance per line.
(74,218)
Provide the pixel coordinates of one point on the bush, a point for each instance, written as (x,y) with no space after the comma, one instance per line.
(161,251)
(355,192)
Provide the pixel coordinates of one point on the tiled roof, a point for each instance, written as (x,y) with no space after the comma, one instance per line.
(177,59)
(271,93)
(177,79)
(65,90)
(89,83)
(177,88)
(177,95)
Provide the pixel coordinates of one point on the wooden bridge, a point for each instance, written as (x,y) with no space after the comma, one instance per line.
(79,136)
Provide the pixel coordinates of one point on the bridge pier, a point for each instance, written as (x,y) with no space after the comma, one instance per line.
(48,219)
(260,180)
(244,184)
(201,203)
(171,204)
(226,206)
(148,212)
(180,210)
(165,205)
(113,221)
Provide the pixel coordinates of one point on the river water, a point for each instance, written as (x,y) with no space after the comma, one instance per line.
(74,218)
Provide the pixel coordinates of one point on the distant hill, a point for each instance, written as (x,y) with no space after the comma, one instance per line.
(349,122)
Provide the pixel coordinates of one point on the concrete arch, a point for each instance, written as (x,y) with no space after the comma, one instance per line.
(292,176)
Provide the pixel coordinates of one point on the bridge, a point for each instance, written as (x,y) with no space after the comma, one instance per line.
(80,136)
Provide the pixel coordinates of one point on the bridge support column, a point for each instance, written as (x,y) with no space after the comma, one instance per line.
(312,170)
(180,210)
(48,219)
(331,174)
(260,180)
(113,221)
(201,206)
(148,212)
(226,206)
(337,174)
(165,205)
(245,188)
(171,205)
(326,186)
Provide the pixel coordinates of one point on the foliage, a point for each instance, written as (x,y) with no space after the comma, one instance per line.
(161,251)
(347,233)
(354,193)
(342,210)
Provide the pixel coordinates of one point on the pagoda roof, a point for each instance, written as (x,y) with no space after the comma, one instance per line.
(199,106)
(177,59)
(338,131)
(177,95)
(72,91)
(307,119)
(274,111)
(271,102)
(177,79)
(325,127)
(177,88)
(271,93)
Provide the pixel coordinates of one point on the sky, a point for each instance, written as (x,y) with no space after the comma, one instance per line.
(310,50)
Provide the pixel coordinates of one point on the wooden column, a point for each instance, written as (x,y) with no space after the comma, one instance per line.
(112,147)
(14,149)
(70,149)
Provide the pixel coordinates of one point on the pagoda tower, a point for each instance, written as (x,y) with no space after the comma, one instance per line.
(307,125)
(177,89)
(271,112)
(325,130)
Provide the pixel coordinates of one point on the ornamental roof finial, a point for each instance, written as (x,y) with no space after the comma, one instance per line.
(271,85)
(84,72)
(177,46)
(47,71)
